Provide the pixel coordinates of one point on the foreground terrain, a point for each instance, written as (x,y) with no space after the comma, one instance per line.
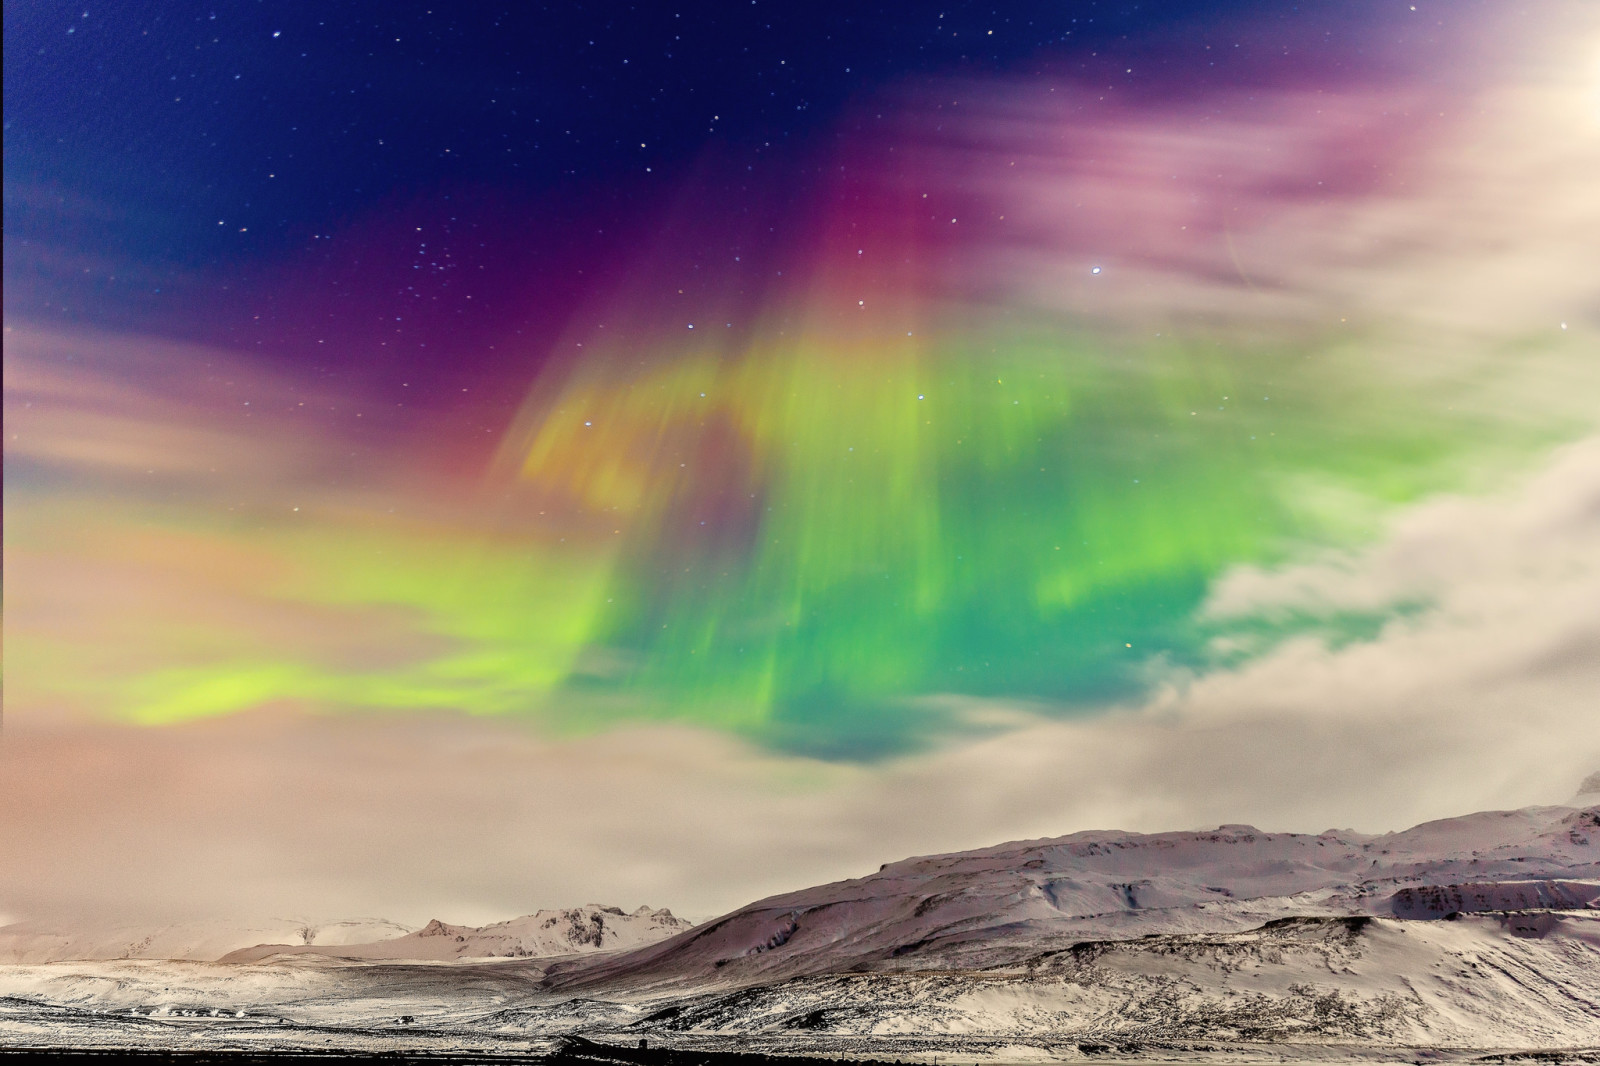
(1470,937)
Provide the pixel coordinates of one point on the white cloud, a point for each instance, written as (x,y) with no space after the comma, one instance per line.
(1487,698)
(1446,216)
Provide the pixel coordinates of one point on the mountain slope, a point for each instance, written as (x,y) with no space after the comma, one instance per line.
(1476,981)
(1008,903)
(1458,939)
(576,930)
(1297,989)
(41,941)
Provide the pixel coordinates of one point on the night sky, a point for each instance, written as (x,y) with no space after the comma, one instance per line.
(916,426)
(289,178)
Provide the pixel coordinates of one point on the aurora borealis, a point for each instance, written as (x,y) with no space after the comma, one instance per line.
(952,402)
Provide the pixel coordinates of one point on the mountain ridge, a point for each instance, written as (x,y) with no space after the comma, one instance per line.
(1450,941)
(593,927)
(547,932)
(990,905)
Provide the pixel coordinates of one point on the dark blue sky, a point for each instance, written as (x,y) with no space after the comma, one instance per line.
(222,171)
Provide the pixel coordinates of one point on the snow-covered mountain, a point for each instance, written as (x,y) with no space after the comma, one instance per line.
(44,941)
(1458,939)
(1003,905)
(571,931)
(576,930)
(1483,981)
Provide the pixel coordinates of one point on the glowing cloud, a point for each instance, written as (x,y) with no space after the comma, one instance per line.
(1016,391)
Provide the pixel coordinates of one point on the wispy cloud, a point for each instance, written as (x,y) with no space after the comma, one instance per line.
(359,656)
(1482,699)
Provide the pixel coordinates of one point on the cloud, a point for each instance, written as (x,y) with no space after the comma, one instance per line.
(191,533)
(1483,698)
(152,418)
(1474,688)
(1436,211)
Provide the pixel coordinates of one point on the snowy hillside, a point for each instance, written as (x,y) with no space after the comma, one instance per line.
(1478,980)
(1459,939)
(34,942)
(571,931)
(545,933)
(1348,987)
(1002,905)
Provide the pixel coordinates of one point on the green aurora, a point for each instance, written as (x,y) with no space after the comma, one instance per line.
(815,543)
